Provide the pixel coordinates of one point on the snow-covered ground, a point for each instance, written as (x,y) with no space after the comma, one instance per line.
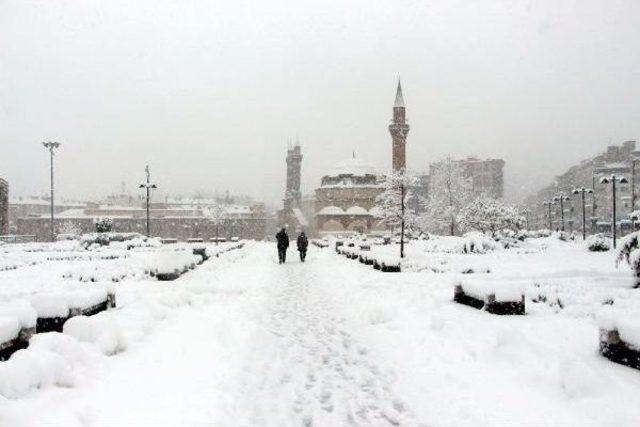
(242,340)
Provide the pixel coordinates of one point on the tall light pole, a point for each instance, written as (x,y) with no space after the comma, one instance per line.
(582,192)
(612,180)
(52,146)
(148,186)
(633,184)
(561,198)
(548,204)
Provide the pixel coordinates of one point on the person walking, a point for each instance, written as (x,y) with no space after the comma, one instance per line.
(283,243)
(303,242)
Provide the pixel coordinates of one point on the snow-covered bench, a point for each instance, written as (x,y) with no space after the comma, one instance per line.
(620,336)
(504,299)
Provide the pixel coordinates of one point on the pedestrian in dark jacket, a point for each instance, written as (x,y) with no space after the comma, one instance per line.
(303,242)
(283,243)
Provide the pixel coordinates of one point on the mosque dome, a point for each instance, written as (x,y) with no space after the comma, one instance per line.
(354,167)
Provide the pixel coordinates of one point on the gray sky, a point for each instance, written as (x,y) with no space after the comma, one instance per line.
(208,92)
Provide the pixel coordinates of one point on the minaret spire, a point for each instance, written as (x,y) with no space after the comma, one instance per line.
(399,98)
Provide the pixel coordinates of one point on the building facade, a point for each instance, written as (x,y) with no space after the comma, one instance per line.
(482,176)
(623,161)
(173,218)
(4,206)
(346,199)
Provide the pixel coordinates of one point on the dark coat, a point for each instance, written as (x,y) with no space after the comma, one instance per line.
(283,239)
(303,242)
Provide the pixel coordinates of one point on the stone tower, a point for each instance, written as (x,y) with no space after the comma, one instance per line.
(399,130)
(294,162)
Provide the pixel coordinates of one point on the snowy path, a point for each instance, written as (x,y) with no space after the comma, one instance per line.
(309,369)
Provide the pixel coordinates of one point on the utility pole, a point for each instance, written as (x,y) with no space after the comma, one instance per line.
(612,180)
(561,198)
(148,186)
(52,146)
(582,191)
(548,204)
(633,184)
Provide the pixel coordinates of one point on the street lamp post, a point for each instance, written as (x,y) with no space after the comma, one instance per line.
(52,146)
(612,180)
(561,198)
(548,204)
(582,192)
(148,186)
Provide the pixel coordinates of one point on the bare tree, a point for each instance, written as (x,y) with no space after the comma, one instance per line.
(449,192)
(392,203)
(216,215)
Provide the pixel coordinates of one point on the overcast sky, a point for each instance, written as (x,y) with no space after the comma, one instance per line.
(208,92)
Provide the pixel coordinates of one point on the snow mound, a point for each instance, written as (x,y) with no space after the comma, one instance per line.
(22,311)
(9,329)
(85,298)
(625,320)
(471,242)
(100,330)
(50,360)
(50,305)
(504,291)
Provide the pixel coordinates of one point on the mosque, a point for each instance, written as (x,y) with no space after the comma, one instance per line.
(345,202)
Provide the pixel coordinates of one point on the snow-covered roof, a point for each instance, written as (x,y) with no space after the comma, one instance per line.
(331,210)
(353,166)
(375,211)
(357,210)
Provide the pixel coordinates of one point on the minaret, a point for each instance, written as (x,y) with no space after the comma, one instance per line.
(294,162)
(399,130)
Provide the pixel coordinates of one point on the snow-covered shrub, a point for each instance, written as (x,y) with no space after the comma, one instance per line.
(490,216)
(69,230)
(598,243)
(103,225)
(630,252)
(564,236)
(476,242)
(96,240)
